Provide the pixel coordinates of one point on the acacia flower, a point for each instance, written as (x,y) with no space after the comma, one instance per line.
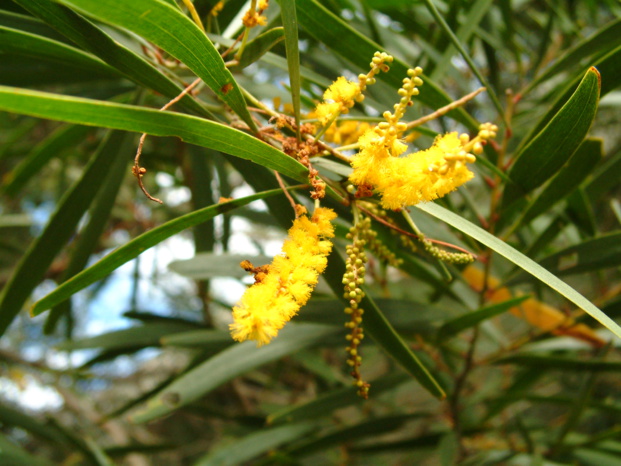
(285,285)
(343,94)
(420,176)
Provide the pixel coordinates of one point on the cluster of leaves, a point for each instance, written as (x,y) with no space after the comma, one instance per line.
(455,377)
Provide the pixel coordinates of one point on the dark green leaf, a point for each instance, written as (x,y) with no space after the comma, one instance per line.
(325,404)
(603,41)
(255,444)
(591,255)
(453,327)
(380,329)
(37,48)
(569,177)
(549,150)
(290,22)
(100,44)
(228,364)
(190,129)
(98,215)
(137,246)
(521,261)
(258,47)
(207,339)
(170,29)
(61,139)
(60,228)
(560,363)
(355,47)
(209,265)
(139,336)
(376,426)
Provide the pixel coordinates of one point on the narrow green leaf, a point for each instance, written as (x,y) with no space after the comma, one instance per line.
(380,329)
(569,177)
(38,427)
(12,454)
(342,435)
(62,138)
(255,444)
(594,457)
(609,69)
(137,246)
(207,339)
(98,217)
(465,55)
(39,256)
(139,336)
(230,363)
(605,177)
(601,42)
(209,265)
(560,363)
(290,22)
(521,261)
(549,150)
(170,29)
(454,326)
(189,128)
(29,24)
(324,26)
(591,255)
(259,46)
(325,404)
(91,38)
(41,48)
(468,26)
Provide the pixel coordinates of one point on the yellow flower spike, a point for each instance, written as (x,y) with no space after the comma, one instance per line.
(342,91)
(270,303)
(343,94)
(421,176)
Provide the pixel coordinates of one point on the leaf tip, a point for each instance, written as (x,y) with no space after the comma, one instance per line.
(598,74)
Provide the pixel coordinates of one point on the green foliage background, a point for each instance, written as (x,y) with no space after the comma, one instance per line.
(455,379)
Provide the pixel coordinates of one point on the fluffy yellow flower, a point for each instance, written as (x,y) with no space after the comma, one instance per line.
(342,91)
(325,112)
(421,176)
(273,300)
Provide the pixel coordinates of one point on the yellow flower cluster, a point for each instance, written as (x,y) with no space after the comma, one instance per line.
(346,132)
(343,94)
(277,295)
(421,176)
(253,17)
(338,98)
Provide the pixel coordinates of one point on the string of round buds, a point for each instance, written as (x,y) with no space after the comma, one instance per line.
(457,258)
(353,280)
(390,129)
(379,249)
(379,63)
(487,131)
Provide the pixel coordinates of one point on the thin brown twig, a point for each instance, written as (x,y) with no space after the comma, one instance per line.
(230,49)
(284,190)
(139,171)
(407,233)
(444,110)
